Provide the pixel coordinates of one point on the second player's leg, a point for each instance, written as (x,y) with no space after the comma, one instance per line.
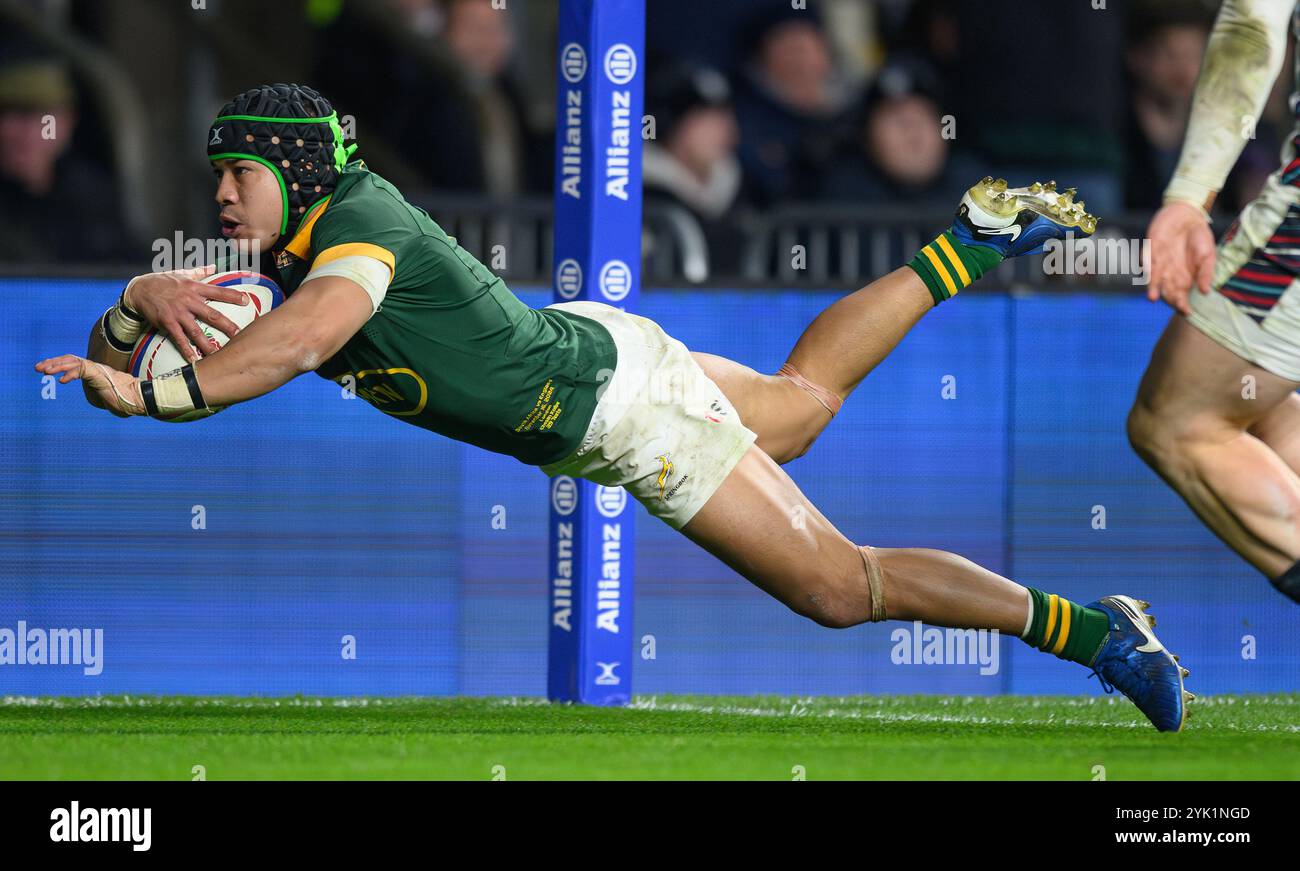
(1198,421)
(1279,428)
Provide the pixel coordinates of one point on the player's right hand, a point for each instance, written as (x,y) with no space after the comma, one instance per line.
(1180,253)
(117,391)
(171,301)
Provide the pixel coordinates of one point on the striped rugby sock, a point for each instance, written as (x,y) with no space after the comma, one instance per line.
(1066,630)
(947,266)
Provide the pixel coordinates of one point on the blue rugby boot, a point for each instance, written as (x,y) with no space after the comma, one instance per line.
(995,222)
(1019,221)
(1134,661)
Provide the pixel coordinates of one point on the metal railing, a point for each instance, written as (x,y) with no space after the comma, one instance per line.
(803,245)
(514,238)
(812,246)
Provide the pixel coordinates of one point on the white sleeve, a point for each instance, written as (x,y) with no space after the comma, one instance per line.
(372,274)
(1241,63)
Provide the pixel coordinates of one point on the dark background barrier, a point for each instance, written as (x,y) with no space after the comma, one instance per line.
(324,519)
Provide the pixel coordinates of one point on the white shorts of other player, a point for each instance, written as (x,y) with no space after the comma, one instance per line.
(1272,343)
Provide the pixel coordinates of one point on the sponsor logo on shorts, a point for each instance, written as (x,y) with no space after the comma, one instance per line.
(664,474)
(716,412)
(666,460)
(677,487)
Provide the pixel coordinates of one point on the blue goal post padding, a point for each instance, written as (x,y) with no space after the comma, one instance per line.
(600,75)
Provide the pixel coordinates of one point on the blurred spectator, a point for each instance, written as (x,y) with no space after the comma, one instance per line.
(1039,93)
(1166,44)
(896,152)
(853,30)
(59,207)
(432,79)
(692,160)
(693,32)
(789,95)
(482,39)
(929,34)
(713,33)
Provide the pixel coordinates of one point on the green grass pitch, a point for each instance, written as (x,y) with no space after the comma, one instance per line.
(674,737)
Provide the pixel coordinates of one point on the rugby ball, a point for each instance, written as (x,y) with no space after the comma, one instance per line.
(155,354)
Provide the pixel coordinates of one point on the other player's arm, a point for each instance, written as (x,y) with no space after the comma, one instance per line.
(1242,59)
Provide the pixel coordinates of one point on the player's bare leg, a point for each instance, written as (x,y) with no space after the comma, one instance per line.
(1203,432)
(760,523)
(789,410)
(841,346)
(1279,428)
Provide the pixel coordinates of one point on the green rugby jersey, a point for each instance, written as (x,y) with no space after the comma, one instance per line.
(451,348)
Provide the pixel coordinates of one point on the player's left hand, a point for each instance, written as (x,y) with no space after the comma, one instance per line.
(118,391)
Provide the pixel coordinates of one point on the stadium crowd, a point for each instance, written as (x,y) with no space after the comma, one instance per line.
(756,105)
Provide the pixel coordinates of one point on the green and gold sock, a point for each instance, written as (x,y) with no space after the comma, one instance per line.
(1064,629)
(947,266)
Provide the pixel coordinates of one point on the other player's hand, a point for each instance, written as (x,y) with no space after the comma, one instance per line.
(118,391)
(1180,254)
(171,301)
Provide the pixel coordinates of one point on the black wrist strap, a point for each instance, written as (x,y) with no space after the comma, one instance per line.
(192,383)
(126,309)
(146,395)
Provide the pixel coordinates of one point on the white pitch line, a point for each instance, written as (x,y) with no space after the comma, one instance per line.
(799,710)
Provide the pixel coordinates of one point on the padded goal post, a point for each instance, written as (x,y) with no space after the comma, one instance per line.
(600,93)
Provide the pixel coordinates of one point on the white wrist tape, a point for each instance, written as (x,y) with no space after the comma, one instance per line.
(122,300)
(174,393)
(120,326)
(122,330)
(171,394)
